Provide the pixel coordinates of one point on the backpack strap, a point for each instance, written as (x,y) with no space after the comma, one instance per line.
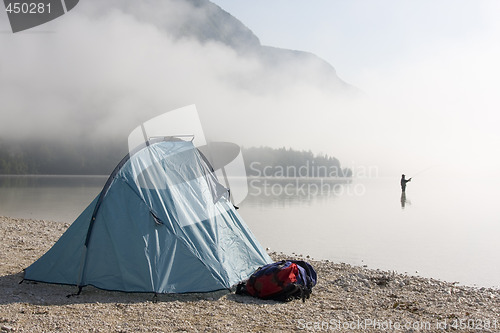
(241,289)
(310,279)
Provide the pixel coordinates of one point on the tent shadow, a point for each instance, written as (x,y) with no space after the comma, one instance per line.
(39,293)
(249,299)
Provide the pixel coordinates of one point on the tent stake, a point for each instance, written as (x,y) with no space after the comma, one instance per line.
(78,293)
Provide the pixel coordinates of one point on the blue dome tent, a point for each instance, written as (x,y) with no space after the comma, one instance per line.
(161,224)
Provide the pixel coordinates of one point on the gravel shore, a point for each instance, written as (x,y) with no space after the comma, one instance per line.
(346,299)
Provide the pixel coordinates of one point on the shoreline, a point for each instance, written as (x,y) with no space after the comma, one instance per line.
(346,299)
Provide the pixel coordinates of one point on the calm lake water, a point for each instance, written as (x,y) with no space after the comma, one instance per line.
(443,229)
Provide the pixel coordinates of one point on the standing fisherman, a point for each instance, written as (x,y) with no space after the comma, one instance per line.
(403,182)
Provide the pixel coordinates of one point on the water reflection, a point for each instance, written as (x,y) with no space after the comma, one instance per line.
(30,181)
(62,198)
(292,191)
(58,198)
(404,201)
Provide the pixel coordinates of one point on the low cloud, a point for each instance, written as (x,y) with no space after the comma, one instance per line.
(102,70)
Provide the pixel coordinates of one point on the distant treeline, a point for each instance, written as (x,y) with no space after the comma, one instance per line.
(84,158)
(282,162)
(59,157)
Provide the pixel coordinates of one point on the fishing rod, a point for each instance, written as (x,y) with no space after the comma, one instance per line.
(421,171)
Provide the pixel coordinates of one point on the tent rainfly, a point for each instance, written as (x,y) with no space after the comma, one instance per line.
(162,224)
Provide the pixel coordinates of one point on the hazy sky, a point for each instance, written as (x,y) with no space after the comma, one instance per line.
(429,71)
(360,35)
(429,67)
